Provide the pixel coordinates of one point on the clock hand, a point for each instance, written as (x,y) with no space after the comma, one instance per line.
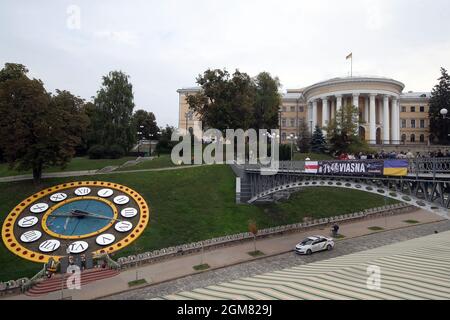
(81,213)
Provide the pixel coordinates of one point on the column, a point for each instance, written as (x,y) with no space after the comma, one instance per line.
(372,126)
(356,105)
(325,114)
(395,121)
(380,111)
(333,110)
(314,115)
(338,103)
(366,110)
(386,124)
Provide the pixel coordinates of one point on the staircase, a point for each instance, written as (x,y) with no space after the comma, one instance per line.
(54,283)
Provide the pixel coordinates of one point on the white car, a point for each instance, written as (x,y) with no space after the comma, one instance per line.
(314,244)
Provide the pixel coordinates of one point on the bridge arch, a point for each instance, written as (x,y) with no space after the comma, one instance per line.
(355,185)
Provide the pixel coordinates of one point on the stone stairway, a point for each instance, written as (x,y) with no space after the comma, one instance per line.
(55,282)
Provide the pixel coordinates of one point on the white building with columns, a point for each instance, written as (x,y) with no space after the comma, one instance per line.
(387,115)
(380,101)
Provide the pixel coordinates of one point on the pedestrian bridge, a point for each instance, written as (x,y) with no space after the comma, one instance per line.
(426,185)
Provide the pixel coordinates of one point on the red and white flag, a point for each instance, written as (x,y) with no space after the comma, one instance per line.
(311,166)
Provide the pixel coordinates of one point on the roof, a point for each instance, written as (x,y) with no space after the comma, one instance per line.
(415,95)
(189,89)
(413,269)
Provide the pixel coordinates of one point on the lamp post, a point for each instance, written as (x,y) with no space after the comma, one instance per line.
(444,113)
(291,138)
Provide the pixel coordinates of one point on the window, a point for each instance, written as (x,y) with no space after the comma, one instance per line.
(413,109)
(422,138)
(413,124)
(292,122)
(284,109)
(301,109)
(403,123)
(292,109)
(283,136)
(413,138)
(403,137)
(422,123)
(283,122)
(403,109)
(422,109)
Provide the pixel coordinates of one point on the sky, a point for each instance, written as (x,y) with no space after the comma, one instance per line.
(164,45)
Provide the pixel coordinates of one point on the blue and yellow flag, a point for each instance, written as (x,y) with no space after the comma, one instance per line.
(396,168)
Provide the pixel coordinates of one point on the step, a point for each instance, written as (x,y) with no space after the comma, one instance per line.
(57,281)
(54,284)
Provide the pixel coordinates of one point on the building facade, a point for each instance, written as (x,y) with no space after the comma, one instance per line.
(387,115)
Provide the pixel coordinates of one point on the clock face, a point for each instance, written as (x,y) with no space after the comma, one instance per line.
(75,218)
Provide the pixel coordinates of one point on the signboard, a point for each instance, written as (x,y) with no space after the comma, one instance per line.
(346,168)
(358,167)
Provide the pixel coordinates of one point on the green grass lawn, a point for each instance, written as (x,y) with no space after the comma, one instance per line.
(77,164)
(312,156)
(191,205)
(163,161)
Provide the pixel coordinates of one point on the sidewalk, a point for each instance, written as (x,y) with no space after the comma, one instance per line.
(227,256)
(67,174)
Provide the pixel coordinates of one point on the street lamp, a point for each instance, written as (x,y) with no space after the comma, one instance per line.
(291,137)
(444,113)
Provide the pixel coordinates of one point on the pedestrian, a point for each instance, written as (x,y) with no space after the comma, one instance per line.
(335,230)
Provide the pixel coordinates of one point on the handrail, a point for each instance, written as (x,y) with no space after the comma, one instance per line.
(415,166)
(26,286)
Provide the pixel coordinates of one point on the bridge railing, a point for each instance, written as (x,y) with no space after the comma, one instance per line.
(416,166)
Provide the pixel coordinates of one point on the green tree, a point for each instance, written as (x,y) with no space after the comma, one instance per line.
(13,71)
(318,142)
(267,102)
(440,99)
(304,136)
(165,143)
(112,119)
(341,131)
(145,122)
(37,130)
(225,100)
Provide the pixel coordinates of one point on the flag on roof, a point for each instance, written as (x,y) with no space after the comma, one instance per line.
(349,56)
(395,168)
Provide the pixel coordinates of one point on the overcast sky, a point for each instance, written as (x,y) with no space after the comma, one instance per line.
(163,45)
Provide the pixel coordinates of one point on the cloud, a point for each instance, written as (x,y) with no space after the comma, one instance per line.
(119,37)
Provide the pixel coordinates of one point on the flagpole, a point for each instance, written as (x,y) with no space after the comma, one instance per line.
(351,67)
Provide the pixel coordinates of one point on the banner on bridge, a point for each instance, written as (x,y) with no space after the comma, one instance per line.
(358,167)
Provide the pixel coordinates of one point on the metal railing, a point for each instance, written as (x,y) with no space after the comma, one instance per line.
(434,166)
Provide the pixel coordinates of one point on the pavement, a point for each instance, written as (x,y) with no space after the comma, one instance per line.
(87,173)
(177,274)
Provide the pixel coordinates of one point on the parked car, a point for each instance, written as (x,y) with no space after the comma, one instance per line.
(314,244)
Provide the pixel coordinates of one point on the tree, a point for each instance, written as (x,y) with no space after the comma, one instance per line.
(236,101)
(112,119)
(165,143)
(145,122)
(341,131)
(304,136)
(37,130)
(440,99)
(267,102)
(318,143)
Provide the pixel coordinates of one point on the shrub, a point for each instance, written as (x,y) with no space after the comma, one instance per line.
(97,152)
(115,151)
